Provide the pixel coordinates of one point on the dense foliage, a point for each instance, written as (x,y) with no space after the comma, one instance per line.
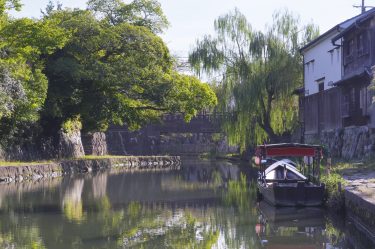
(104,65)
(258,72)
(143,13)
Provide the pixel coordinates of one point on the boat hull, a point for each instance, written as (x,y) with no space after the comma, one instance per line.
(297,194)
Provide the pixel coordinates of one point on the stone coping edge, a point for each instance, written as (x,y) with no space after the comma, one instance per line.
(57,169)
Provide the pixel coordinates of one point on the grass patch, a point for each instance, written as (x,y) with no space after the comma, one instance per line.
(344,167)
(333,193)
(18,163)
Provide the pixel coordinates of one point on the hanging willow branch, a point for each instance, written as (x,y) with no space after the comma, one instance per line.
(261,69)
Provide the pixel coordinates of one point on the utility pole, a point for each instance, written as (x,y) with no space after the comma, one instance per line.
(362,6)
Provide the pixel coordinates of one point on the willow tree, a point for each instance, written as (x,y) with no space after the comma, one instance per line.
(258,72)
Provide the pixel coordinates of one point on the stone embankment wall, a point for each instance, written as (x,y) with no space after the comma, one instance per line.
(347,143)
(95,144)
(57,169)
(360,209)
(145,142)
(70,145)
(66,145)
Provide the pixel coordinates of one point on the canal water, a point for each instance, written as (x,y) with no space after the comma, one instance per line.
(203,205)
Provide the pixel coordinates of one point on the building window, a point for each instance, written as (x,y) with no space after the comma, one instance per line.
(349,51)
(345,105)
(320,83)
(309,66)
(349,47)
(331,55)
(363,100)
(321,86)
(361,44)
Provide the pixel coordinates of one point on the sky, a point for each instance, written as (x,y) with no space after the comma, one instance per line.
(192,19)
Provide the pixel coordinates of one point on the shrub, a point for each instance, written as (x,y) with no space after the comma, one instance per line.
(72,124)
(333,195)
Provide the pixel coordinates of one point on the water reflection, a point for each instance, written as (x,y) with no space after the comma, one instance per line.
(72,201)
(99,185)
(291,227)
(205,205)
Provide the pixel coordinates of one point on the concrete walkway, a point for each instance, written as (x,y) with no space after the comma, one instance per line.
(361,183)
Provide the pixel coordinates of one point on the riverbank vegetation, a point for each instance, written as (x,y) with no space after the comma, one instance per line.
(88,69)
(334,179)
(256,73)
(334,191)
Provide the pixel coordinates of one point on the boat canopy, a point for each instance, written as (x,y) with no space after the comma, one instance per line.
(288,149)
(288,166)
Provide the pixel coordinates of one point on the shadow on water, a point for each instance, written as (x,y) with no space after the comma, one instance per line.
(203,205)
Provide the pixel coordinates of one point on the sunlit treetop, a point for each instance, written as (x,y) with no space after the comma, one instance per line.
(146,13)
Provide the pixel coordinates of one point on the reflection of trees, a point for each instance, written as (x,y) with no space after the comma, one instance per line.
(240,216)
(72,201)
(137,224)
(166,230)
(99,185)
(103,213)
(26,236)
(239,195)
(14,194)
(194,178)
(335,234)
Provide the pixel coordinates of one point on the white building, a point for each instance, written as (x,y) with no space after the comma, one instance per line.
(322,60)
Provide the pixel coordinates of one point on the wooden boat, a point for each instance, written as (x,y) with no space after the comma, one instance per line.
(280,182)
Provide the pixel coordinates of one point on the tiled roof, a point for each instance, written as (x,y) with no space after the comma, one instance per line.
(341,27)
(360,19)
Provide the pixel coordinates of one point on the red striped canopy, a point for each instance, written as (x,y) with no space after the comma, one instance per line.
(291,149)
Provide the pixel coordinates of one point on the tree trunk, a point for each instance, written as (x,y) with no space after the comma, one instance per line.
(273,137)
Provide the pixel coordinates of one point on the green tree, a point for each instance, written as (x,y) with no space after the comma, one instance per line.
(24,46)
(8,5)
(11,92)
(259,72)
(115,74)
(51,6)
(146,13)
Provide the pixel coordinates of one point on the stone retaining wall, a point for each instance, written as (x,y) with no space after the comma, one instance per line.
(347,143)
(95,144)
(56,169)
(360,208)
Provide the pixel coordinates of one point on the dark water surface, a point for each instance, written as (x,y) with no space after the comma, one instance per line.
(203,205)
